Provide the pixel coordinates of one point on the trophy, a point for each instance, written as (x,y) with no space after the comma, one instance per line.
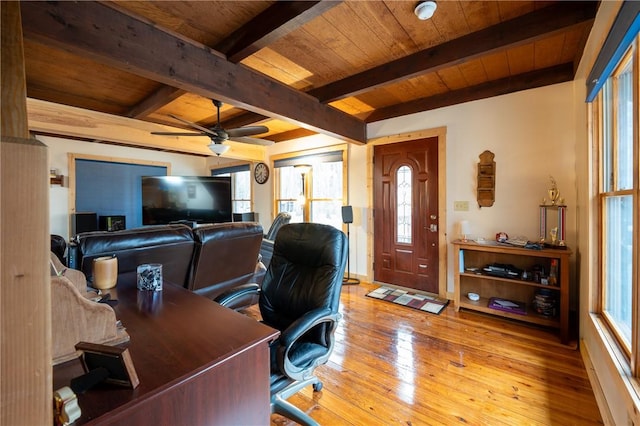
(554,193)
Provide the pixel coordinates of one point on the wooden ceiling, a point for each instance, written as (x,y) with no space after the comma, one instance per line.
(298,67)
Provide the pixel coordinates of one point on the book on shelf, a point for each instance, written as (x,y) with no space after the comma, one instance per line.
(506,305)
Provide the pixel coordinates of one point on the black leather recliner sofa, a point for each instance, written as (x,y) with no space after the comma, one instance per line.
(208,259)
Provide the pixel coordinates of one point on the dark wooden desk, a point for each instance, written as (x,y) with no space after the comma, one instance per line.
(198,363)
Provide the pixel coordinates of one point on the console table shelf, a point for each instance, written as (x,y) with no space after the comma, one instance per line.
(471,257)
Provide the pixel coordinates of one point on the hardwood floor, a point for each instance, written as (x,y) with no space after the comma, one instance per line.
(397,365)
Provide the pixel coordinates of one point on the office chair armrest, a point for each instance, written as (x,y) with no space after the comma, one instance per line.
(239,297)
(295,331)
(305,323)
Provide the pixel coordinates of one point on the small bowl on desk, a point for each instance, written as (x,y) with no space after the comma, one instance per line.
(474,297)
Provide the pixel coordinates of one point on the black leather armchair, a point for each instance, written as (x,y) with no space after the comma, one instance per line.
(266,248)
(300,296)
(225,257)
(281,219)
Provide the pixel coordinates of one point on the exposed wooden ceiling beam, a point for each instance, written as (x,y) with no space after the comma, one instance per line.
(277,20)
(524,29)
(155,101)
(530,80)
(108,36)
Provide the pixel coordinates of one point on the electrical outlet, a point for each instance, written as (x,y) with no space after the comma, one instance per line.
(461,206)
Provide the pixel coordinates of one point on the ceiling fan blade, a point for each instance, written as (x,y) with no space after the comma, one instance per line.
(247,131)
(180,134)
(194,125)
(253,141)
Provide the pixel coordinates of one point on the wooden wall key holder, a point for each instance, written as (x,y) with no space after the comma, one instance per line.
(486,179)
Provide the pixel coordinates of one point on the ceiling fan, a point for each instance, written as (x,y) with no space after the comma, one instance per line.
(218,135)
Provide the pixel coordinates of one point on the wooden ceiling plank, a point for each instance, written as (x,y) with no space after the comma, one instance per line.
(279,19)
(452,78)
(37,90)
(547,53)
(346,32)
(161,97)
(118,40)
(529,80)
(496,65)
(473,72)
(515,32)
(291,134)
(380,20)
(246,118)
(276,66)
(521,59)
(324,63)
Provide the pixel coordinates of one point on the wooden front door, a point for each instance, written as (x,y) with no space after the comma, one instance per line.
(406,214)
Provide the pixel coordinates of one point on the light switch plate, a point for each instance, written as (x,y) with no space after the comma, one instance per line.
(461,206)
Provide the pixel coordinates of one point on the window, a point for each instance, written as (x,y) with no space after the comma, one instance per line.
(240,186)
(310,187)
(616,118)
(404,208)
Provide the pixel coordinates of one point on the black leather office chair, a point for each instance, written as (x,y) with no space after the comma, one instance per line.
(266,248)
(59,247)
(281,219)
(299,296)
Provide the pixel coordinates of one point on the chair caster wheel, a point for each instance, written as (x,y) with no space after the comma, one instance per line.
(317,387)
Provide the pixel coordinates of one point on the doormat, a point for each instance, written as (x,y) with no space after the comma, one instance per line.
(423,302)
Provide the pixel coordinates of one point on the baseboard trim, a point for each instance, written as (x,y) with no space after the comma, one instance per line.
(598,392)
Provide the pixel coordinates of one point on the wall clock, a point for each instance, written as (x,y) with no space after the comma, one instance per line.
(261,173)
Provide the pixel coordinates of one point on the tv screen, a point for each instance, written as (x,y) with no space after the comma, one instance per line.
(200,199)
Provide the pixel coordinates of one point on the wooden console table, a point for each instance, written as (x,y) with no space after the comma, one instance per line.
(470,258)
(198,363)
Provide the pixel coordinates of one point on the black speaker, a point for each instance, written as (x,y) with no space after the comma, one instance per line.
(245,217)
(83,222)
(347,214)
(113,223)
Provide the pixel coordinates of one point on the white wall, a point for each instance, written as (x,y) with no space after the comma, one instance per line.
(59,148)
(532,136)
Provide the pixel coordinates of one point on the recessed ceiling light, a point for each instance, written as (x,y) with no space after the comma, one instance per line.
(425,9)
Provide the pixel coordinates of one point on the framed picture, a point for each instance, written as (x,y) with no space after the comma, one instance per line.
(117,361)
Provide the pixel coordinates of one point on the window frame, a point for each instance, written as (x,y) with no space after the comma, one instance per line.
(233,171)
(599,109)
(306,157)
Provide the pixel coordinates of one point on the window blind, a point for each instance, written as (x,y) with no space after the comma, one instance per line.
(623,32)
(233,169)
(327,157)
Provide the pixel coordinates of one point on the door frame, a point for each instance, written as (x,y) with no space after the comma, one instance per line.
(441,134)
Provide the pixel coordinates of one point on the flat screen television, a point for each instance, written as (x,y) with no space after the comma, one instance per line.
(196,199)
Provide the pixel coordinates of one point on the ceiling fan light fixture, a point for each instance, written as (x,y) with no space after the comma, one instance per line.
(218,149)
(425,9)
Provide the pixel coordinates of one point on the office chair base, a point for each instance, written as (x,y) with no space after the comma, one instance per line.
(350,281)
(280,405)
